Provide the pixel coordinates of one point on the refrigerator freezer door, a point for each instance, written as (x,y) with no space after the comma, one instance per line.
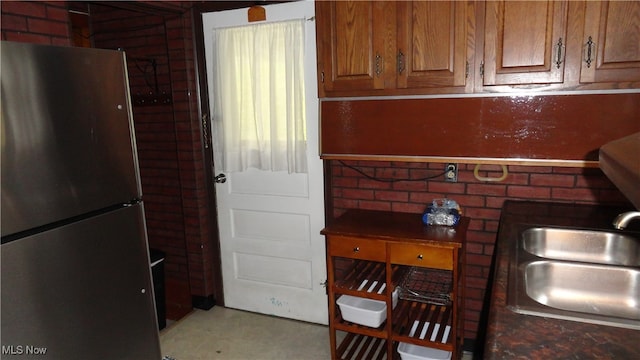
(81,291)
(67,135)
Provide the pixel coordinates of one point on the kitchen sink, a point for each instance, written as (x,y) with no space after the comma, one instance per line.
(570,286)
(591,246)
(576,274)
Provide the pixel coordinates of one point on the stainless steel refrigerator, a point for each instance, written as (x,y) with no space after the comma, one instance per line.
(75,274)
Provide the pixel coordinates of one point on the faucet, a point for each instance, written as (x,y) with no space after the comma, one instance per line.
(621,221)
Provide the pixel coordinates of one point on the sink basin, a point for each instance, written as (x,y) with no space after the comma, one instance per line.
(593,289)
(576,274)
(591,246)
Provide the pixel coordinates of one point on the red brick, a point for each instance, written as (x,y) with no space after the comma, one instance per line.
(489,249)
(473,304)
(422,198)
(476,259)
(358,194)
(474,248)
(583,195)
(27,8)
(397,196)
(591,181)
(59,41)
(52,28)
(494,202)
(476,282)
(552,180)
(491,226)
(344,181)
(372,184)
(13,23)
(342,203)
(392,173)
(568,170)
(469,201)
(408,208)
(529,192)
(481,237)
(28,38)
(447,188)
(375,205)
(410,185)
(474,270)
(58,13)
(482,213)
(486,189)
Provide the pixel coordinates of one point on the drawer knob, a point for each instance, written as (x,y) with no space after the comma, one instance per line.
(420,257)
(356,249)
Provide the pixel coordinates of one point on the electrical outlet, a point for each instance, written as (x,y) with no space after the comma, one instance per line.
(451,173)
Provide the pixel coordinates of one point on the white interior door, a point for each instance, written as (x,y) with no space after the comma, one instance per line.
(273,256)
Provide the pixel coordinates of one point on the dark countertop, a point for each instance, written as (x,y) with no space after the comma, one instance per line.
(517,336)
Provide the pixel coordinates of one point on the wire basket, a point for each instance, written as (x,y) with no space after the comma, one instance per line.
(427,285)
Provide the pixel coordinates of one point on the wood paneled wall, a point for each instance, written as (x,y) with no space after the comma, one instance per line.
(549,127)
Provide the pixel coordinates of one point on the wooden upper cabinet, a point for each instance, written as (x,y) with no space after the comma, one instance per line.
(524,42)
(611,43)
(392,47)
(432,44)
(351,45)
(369,48)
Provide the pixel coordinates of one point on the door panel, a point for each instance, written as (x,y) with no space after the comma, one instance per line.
(611,42)
(62,146)
(525,42)
(353,56)
(272,252)
(89,290)
(432,43)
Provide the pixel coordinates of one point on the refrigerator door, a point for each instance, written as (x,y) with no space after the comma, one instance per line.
(81,291)
(67,134)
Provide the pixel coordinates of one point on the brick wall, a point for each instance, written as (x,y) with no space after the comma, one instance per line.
(167,135)
(144,39)
(481,201)
(42,22)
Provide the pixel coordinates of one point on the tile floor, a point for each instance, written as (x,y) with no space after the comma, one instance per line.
(227,334)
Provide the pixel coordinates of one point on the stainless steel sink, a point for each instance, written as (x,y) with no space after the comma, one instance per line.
(575,274)
(600,247)
(570,286)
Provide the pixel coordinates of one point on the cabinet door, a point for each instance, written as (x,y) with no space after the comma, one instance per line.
(611,42)
(524,42)
(351,45)
(432,44)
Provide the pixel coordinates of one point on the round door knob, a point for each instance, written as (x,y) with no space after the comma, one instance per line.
(420,257)
(356,249)
(220,179)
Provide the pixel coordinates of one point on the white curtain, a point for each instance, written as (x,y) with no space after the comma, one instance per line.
(259,109)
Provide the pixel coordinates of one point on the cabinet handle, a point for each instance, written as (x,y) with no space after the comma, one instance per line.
(420,257)
(400,62)
(356,249)
(588,49)
(559,50)
(378,64)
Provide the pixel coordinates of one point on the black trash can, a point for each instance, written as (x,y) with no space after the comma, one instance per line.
(157,273)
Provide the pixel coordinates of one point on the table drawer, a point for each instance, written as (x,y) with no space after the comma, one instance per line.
(422,255)
(357,248)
